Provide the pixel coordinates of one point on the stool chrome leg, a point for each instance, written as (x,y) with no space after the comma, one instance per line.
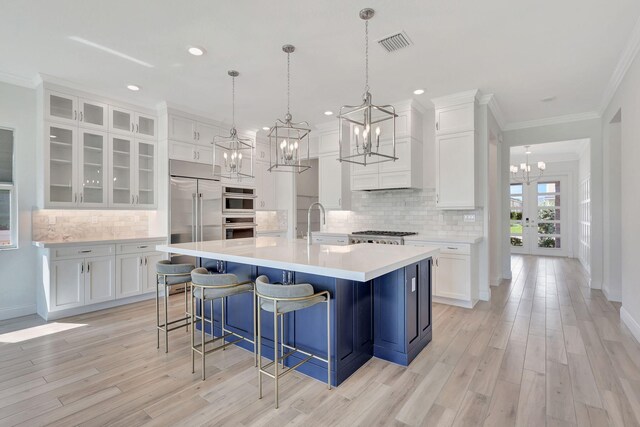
(282,339)
(193,332)
(202,317)
(328,342)
(222,330)
(166,317)
(158,310)
(186,307)
(255,343)
(259,337)
(275,348)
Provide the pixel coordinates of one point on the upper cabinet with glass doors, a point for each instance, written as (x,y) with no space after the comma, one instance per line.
(73,110)
(129,122)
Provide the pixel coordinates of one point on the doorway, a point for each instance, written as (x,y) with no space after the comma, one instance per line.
(538,217)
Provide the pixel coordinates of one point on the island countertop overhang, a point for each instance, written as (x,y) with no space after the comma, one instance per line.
(361,262)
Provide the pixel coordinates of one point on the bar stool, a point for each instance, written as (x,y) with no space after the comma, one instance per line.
(170,275)
(280,299)
(209,287)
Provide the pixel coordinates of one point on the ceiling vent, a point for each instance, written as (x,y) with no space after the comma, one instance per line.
(395,42)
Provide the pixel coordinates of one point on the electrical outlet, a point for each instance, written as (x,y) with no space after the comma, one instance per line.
(470,218)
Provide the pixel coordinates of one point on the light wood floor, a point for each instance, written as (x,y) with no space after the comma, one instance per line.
(545,350)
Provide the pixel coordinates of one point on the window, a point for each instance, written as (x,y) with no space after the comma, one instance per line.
(8,213)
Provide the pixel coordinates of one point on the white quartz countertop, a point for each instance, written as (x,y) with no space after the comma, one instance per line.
(443,239)
(94,241)
(360,263)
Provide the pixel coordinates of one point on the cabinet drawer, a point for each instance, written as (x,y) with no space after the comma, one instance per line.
(458,118)
(331,240)
(455,248)
(82,252)
(137,247)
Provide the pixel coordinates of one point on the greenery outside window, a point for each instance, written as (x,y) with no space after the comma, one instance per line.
(8,211)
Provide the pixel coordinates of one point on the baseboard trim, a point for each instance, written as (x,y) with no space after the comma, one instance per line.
(630,322)
(485,295)
(616,297)
(454,301)
(495,281)
(10,313)
(54,315)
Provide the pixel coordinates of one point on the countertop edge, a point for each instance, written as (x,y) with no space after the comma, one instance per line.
(48,244)
(445,239)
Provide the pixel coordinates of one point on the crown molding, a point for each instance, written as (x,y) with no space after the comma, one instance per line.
(629,53)
(490,101)
(17,80)
(456,98)
(569,118)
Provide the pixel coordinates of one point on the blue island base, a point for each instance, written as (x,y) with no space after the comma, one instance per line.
(388,317)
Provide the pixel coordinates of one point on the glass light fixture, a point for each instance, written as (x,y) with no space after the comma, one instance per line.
(288,140)
(234,148)
(359,143)
(522,174)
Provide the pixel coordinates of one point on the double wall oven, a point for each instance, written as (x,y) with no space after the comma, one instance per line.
(238,212)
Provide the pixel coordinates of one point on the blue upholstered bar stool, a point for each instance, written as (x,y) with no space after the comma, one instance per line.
(209,287)
(280,299)
(171,275)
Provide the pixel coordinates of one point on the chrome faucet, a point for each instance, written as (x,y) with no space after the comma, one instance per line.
(309,219)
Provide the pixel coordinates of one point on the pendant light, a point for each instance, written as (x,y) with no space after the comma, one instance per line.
(236,150)
(288,140)
(359,142)
(523,173)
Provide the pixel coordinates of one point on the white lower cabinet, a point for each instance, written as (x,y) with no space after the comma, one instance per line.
(454,280)
(76,278)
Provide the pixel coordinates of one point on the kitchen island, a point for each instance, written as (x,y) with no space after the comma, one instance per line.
(380,297)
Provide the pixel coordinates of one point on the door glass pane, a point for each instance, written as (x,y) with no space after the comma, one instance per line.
(121,170)
(516,189)
(93,114)
(60,164)
(93,168)
(549,187)
(145,173)
(548,228)
(122,120)
(516,214)
(549,242)
(549,214)
(145,126)
(549,200)
(61,107)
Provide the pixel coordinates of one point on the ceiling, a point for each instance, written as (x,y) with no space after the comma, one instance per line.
(550,151)
(520,51)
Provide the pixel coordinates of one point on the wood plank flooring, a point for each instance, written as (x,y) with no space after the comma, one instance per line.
(545,351)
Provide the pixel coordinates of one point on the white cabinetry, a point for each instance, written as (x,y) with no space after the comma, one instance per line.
(86,278)
(97,155)
(190,152)
(454,273)
(456,164)
(333,176)
(406,172)
(265,187)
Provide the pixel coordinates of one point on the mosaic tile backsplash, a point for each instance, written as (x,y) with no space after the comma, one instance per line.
(271,221)
(69,225)
(403,210)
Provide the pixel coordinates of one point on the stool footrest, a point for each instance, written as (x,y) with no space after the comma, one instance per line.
(198,347)
(286,371)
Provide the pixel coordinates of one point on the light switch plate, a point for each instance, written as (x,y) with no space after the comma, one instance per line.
(470,218)
(413,284)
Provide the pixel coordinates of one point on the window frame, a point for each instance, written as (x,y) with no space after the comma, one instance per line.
(12,188)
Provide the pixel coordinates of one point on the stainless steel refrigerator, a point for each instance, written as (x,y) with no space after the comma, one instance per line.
(195,205)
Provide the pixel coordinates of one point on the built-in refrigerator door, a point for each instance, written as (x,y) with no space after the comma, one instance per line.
(183,219)
(209,210)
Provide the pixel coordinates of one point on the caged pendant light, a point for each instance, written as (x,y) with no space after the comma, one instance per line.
(236,150)
(288,140)
(359,143)
(522,174)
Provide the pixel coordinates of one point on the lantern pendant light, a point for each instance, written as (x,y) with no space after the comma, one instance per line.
(288,140)
(359,142)
(235,150)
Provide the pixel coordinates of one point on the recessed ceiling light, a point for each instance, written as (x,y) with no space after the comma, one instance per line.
(134,88)
(527,152)
(196,51)
(266,128)
(418,91)
(328,113)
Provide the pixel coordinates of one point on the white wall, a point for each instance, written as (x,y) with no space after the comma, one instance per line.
(584,210)
(612,139)
(625,100)
(18,266)
(584,129)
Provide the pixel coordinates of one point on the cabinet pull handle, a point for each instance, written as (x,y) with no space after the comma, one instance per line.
(453,249)
(137,200)
(132,199)
(437,198)
(75,197)
(436,262)
(143,246)
(75,114)
(88,267)
(145,260)
(437,126)
(198,155)
(81,197)
(140,261)
(81,116)
(340,201)
(82,268)
(87,251)
(194,134)
(137,128)
(131,126)
(198,136)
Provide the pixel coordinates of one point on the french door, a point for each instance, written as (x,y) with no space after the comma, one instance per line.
(538,217)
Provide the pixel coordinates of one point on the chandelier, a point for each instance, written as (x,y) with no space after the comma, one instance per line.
(234,148)
(288,140)
(522,174)
(359,143)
